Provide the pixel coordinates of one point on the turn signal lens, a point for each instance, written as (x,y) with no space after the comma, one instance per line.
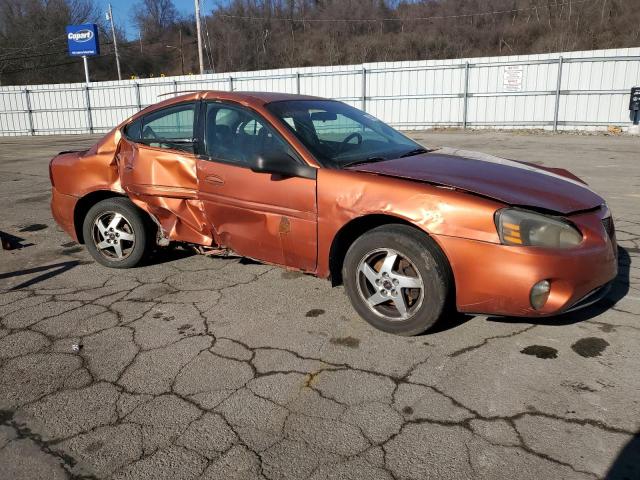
(539,294)
(522,227)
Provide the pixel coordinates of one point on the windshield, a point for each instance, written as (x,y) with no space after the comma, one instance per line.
(339,135)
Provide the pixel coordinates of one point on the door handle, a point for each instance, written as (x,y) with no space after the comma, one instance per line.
(214,180)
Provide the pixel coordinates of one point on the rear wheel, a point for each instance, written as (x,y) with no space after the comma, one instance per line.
(397,279)
(117,233)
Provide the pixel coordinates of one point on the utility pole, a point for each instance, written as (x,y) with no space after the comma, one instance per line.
(199,33)
(115,42)
(181,52)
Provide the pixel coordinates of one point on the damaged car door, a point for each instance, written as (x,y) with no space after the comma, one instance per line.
(254,212)
(158,171)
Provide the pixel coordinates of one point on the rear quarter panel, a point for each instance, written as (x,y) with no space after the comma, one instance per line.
(79,173)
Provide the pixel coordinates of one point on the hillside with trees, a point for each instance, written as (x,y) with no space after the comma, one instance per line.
(260,34)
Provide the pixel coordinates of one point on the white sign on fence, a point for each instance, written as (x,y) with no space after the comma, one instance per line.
(512,78)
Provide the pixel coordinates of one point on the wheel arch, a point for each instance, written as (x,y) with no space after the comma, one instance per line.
(84,204)
(357,227)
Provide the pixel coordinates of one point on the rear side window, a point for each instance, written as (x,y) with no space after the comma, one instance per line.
(170,123)
(171,128)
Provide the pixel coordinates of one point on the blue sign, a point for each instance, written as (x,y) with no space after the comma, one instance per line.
(83,40)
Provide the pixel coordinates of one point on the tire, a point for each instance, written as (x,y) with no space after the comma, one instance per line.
(133,233)
(418,261)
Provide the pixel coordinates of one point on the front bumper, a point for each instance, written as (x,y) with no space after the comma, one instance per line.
(593,297)
(497,279)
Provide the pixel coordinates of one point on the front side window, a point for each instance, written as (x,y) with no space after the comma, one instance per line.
(339,135)
(167,128)
(236,135)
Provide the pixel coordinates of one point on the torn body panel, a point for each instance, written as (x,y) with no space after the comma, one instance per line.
(164,183)
(83,172)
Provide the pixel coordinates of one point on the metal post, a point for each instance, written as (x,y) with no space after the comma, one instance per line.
(298,83)
(199,33)
(86,68)
(138,96)
(27,100)
(115,42)
(558,85)
(175,86)
(364,89)
(466,95)
(88,102)
(231,84)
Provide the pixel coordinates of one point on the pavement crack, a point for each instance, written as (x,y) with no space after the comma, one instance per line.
(484,342)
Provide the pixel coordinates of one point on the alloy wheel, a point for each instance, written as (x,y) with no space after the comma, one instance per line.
(113,236)
(390,284)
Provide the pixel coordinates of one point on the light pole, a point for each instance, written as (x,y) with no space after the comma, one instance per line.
(115,41)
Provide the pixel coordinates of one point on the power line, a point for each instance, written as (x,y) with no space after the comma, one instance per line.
(53,65)
(65,51)
(208,43)
(408,19)
(37,45)
(22,57)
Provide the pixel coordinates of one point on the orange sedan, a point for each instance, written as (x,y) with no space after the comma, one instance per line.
(318,186)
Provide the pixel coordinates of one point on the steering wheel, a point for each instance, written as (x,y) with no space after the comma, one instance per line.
(344,142)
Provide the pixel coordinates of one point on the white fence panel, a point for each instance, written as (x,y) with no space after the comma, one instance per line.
(574,90)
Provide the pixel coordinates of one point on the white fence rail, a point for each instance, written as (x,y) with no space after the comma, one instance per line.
(574,90)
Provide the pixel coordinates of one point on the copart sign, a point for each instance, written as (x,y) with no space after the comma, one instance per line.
(83,40)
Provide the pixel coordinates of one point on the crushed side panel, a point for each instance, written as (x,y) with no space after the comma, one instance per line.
(164,183)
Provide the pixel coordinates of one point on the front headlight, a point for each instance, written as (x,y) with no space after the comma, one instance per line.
(525,228)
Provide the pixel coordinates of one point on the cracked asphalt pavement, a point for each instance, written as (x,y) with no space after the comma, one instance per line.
(196,367)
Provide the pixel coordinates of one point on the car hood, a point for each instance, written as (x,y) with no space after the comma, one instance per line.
(509,181)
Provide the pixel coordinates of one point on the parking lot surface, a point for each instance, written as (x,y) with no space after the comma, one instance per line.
(198,367)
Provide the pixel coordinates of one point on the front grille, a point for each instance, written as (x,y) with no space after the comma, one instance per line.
(607,223)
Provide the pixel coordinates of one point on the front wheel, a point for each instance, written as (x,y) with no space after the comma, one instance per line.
(117,233)
(398,279)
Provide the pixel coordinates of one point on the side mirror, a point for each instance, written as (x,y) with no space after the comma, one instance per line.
(281,164)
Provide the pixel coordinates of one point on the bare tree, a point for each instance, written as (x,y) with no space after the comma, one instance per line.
(154,17)
(259,34)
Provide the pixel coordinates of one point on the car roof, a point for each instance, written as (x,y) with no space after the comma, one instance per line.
(268,97)
(252,98)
